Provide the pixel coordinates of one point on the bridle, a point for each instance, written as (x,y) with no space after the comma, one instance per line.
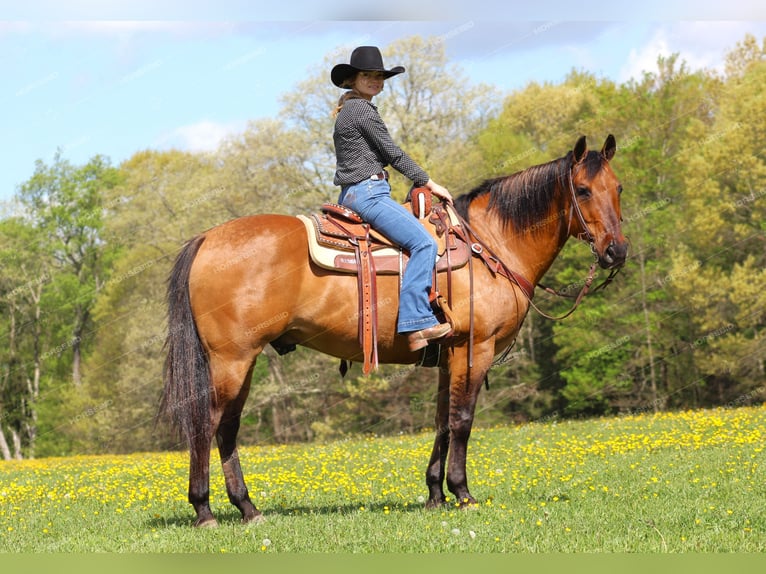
(584,235)
(574,209)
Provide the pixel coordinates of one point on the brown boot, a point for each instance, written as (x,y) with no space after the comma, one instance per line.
(419,339)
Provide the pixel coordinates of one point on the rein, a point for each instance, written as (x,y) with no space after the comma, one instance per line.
(497,266)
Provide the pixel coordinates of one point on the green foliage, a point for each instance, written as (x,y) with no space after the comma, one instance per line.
(84,265)
(724,234)
(24,273)
(58,262)
(65,203)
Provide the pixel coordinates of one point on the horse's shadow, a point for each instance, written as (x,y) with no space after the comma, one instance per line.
(232,516)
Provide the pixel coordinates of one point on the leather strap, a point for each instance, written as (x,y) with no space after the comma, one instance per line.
(368,298)
(368,303)
(440,219)
(380,176)
(492,261)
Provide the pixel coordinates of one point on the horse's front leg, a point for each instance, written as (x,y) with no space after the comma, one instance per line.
(435,471)
(465,384)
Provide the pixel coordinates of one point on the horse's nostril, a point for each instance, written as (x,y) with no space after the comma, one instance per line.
(617,251)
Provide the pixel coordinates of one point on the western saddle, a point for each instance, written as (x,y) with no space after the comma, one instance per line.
(341,241)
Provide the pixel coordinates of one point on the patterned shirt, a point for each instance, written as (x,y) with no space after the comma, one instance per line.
(363,146)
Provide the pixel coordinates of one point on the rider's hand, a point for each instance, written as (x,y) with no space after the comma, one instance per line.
(439,191)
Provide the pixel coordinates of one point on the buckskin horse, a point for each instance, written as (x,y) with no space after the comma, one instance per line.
(250,282)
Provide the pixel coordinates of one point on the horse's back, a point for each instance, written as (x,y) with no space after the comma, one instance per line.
(268,230)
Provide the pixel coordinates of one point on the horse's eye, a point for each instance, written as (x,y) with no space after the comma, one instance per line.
(619,189)
(583,191)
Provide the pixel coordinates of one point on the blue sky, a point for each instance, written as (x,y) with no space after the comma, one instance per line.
(114,78)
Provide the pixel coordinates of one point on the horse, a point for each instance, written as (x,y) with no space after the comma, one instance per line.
(250,282)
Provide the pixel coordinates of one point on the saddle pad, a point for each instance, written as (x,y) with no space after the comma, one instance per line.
(343,260)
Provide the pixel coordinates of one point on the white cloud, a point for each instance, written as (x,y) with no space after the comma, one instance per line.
(203,136)
(702,45)
(644,59)
(707,43)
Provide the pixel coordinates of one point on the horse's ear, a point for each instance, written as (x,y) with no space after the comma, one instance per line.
(580,150)
(610,146)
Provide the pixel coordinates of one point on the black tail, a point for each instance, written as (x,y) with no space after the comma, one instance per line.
(186,397)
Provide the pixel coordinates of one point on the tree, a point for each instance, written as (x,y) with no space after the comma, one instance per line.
(271,168)
(182,193)
(746,53)
(27,270)
(724,236)
(652,118)
(433,111)
(64,201)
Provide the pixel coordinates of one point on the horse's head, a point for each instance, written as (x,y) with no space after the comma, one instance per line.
(595,214)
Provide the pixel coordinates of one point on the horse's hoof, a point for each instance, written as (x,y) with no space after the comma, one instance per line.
(206,523)
(468,503)
(254,519)
(433,504)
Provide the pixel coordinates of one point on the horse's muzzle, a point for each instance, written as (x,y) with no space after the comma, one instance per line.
(614,255)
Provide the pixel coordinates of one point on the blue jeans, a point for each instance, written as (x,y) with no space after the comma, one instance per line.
(372,200)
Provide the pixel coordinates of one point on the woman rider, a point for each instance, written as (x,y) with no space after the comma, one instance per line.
(363,148)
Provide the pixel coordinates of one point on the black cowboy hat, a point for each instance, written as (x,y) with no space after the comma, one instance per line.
(363,58)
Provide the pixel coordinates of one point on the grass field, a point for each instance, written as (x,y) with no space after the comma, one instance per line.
(681,482)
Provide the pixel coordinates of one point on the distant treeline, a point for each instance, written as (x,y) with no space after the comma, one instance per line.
(85,251)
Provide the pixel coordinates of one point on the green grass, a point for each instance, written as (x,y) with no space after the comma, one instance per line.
(684,482)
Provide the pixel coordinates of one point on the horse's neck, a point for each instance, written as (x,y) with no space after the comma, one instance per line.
(529,252)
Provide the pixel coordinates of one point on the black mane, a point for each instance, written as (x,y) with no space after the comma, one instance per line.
(525,198)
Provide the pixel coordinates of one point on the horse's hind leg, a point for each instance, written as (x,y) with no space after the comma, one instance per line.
(226,438)
(199,481)
(435,471)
